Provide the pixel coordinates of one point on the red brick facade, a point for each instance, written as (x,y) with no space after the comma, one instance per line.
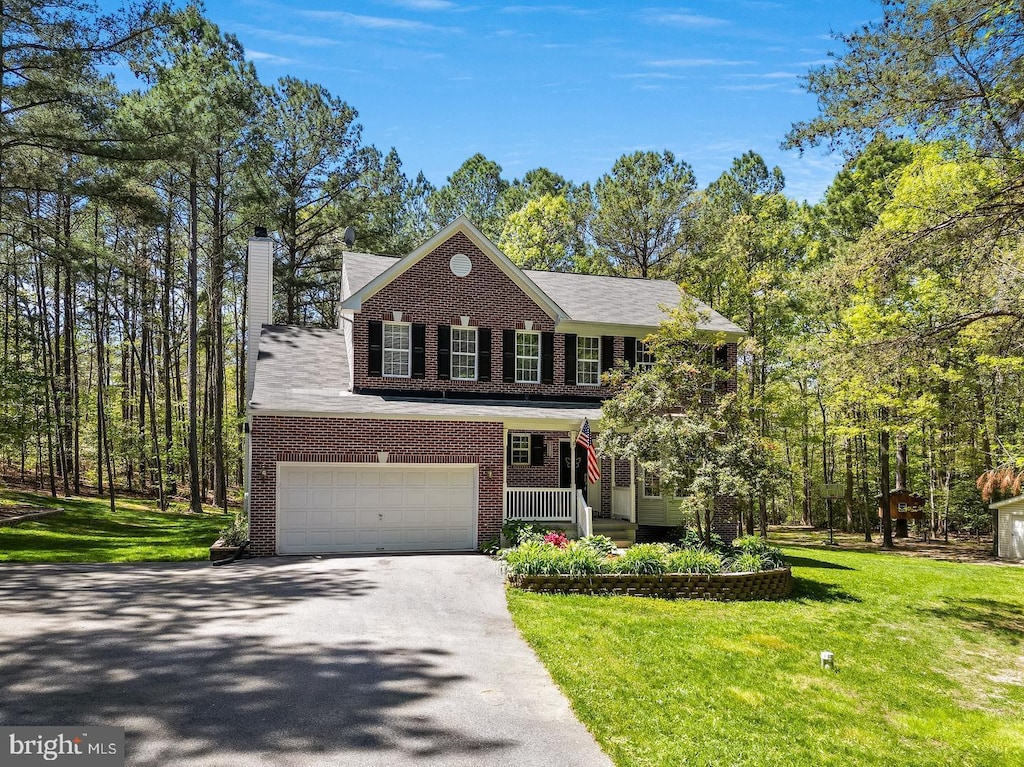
(350,440)
(429,293)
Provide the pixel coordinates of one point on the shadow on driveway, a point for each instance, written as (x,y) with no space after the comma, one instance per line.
(227,665)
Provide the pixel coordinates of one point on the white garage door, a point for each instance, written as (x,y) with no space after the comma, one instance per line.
(336,508)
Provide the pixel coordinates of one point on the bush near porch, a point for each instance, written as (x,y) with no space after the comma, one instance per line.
(929,668)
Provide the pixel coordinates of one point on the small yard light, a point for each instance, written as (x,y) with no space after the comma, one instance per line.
(828,660)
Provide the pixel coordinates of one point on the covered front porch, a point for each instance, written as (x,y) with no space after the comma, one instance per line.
(550,486)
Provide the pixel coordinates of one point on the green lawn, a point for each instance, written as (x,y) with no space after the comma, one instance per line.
(88,532)
(929,667)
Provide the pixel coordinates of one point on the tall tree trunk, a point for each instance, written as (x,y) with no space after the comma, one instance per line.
(883,475)
(195,499)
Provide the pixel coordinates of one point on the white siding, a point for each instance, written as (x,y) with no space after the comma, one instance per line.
(260,285)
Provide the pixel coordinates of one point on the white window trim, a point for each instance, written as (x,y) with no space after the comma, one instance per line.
(385,349)
(536,334)
(452,353)
(643,486)
(597,361)
(513,449)
(642,352)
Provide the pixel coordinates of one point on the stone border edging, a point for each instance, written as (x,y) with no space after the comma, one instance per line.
(722,587)
(31,512)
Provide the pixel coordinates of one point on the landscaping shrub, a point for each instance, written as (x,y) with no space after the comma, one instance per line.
(602,544)
(642,559)
(770,556)
(580,559)
(747,563)
(237,532)
(694,561)
(532,558)
(517,532)
(691,539)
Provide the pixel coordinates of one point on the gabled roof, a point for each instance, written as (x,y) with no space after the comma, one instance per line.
(583,298)
(462,224)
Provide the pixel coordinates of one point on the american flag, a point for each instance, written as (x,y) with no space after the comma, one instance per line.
(584,440)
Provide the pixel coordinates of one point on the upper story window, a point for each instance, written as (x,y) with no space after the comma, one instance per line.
(397,349)
(644,358)
(527,356)
(463,354)
(588,361)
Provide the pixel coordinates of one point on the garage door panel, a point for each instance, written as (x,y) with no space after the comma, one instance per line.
(355,508)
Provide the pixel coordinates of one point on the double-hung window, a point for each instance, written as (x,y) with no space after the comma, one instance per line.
(588,360)
(652,484)
(463,351)
(397,349)
(519,450)
(644,358)
(527,356)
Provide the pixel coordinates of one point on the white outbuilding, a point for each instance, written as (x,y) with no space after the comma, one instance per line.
(1010,527)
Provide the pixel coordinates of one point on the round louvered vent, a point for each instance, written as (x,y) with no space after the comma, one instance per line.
(460,265)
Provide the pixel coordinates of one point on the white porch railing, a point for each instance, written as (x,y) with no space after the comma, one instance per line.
(540,504)
(584,516)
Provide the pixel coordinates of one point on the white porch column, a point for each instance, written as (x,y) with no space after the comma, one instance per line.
(572,477)
(632,490)
(504,476)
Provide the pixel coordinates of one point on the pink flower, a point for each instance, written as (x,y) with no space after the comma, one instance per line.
(558,540)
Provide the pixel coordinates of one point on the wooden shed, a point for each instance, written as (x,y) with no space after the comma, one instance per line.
(1010,527)
(903,505)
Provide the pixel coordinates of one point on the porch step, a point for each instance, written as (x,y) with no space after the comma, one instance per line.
(621,532)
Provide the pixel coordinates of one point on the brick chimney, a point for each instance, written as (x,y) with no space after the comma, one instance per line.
(260,282)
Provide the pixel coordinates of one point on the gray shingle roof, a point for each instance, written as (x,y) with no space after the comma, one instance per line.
(584,297)
(360,268)
(305,370)
(622,300)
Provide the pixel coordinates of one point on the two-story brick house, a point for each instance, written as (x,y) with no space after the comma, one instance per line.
(448,401)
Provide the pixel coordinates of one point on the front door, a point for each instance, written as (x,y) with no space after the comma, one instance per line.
(565,468)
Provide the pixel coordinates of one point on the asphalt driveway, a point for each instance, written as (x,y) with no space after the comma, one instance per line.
(337,661)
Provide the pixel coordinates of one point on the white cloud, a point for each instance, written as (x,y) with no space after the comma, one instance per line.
(372,22)
(267,58)
(683,18)
(425,5)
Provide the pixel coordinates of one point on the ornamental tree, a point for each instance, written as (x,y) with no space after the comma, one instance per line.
(676,420)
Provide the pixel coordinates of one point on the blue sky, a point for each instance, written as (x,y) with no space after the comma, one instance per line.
(570,86)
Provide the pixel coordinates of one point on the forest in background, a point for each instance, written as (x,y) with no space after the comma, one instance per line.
(884,319)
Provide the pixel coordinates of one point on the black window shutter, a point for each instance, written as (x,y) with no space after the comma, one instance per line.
(483,363)
(508,356)
(508,448)
(419,350)
(547,358)
(536,449)
(607,353)
(376,356)
(444,352)
(722,356)
(629,347)
(570,359)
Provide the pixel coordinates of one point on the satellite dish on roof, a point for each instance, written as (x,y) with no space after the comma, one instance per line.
(350,236)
